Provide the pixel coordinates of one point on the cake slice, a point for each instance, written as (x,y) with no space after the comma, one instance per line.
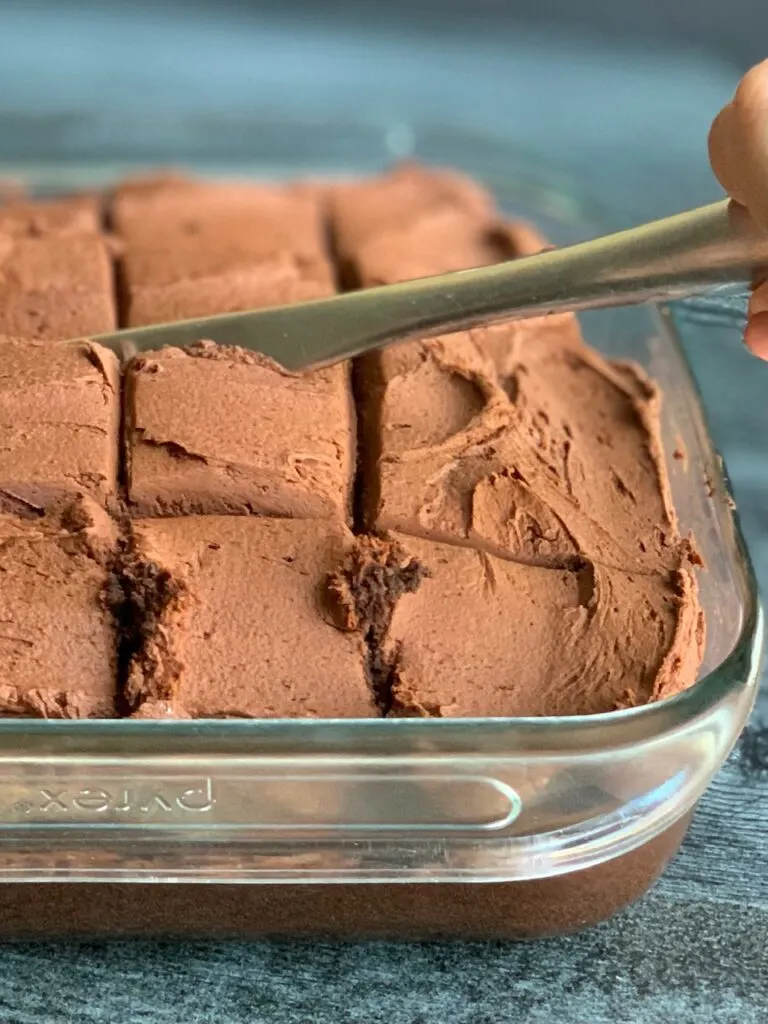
(58,643)
(194,249)
(487,637)
(233,618)
(55,286)
(216,430)
(59,423)
(213,430)
(417,221)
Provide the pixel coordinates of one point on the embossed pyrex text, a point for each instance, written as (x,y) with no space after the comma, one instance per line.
(123,800)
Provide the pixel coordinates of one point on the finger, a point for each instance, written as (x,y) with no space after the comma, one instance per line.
(756,336)
(724,153)
(738,144)
(758,302)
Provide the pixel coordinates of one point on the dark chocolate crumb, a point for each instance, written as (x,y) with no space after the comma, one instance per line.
(362,595)
(138,594)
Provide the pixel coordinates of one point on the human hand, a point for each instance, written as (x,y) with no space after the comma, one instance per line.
(738,150)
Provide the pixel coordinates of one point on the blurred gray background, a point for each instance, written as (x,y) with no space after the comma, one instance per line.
(736,29)
(623,90)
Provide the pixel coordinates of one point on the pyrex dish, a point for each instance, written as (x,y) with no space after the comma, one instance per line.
(396,827)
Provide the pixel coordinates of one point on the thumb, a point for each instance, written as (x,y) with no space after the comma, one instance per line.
(738,144)
(756,335)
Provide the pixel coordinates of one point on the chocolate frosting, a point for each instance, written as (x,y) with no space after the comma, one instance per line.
(489,636)
(56,279)
(57,633)
(65,216)
(215,430)
(543,453)
(194,249)
(239,622)
(525,473)
(59,423)
(517,552)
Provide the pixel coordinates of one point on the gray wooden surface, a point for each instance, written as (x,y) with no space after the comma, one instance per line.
(632,123)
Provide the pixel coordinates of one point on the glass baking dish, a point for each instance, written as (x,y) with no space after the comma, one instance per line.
(493,827)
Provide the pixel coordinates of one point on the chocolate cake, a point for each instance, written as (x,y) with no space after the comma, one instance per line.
(477,526)
(512,549)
